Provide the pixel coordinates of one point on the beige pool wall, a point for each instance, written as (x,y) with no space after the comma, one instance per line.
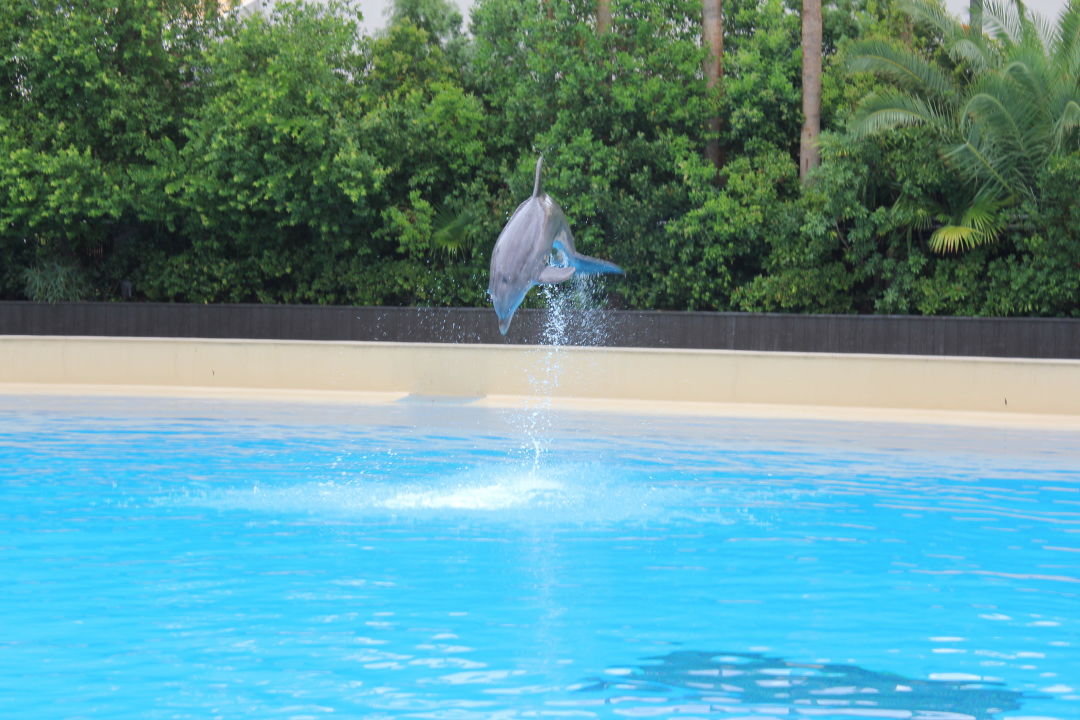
(946,389)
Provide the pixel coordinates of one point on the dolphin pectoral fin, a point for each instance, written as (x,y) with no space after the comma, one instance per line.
(551,274)
(593,266)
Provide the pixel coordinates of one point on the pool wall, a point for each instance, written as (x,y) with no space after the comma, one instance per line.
(487,372)
(1026,337)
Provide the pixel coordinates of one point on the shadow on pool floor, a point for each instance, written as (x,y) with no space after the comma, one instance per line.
(726,680)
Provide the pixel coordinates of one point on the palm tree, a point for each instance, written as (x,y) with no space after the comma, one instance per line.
(809,154)
(712,24)
(1008,103)
(603,16)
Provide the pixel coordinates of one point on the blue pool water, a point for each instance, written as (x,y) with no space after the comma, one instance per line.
(166,558)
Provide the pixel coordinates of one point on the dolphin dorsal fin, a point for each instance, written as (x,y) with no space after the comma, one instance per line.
(536,183)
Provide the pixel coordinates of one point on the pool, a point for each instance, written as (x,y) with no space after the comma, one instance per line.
(186,558)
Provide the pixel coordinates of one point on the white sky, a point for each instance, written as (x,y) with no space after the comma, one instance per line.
(375,18)
(1049,9)
(374,12)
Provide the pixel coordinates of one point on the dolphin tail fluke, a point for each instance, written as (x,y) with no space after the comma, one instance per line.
(536,182)
(586,265)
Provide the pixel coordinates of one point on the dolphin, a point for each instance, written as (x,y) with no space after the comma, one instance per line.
(523,254)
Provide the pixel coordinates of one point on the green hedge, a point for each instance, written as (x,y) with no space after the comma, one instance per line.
(207,158)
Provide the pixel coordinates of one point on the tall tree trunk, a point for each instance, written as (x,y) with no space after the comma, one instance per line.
(809,155)
(712,24)
(603,16)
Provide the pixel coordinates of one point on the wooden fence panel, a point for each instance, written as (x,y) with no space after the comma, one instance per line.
(880,334)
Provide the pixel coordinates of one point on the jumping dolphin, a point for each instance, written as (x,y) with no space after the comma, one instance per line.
(523,253)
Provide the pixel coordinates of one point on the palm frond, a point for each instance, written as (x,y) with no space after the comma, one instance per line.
(1008,116)
(954,238)
(890,109)
(964,44)
(1002,20)
(984,214)
(917,213)
(1045,31)
(967,51)
(1027,74)
(1031,96)
(989,111)
(1066,47)
(974,160)
(980,223)
(450,229)
(1065,127)
(900,65)
(933,14)
(1009,104)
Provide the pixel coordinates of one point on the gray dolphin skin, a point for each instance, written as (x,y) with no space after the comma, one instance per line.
(524,252)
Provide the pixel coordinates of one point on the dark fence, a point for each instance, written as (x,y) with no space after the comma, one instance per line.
(990,337)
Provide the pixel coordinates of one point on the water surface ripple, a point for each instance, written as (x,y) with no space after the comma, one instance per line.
(196,559)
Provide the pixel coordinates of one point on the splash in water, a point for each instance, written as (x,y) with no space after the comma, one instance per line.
(574,316)
(564,493)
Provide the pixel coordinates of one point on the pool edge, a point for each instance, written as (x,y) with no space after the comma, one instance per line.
(948,390)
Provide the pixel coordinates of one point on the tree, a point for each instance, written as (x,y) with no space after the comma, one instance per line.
(603,16)
(1002,109)
(809,156)
(760,106)
(712,23)
(267,190)
(620,122)
(427,134)
(440,19)
(89,94)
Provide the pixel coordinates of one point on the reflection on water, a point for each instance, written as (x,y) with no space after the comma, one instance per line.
(200,559)
(732,681)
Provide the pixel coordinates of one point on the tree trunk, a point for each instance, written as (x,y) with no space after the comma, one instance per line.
(603,16)
(809,155)
(975,18)
(712,23)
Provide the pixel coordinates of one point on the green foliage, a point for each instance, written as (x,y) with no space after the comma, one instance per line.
(427,131)
(439,19)
(54,282)
(270,173)
(1003,106)
(89,91)
(1041,274)
(980,223)
(620,121)
(762,100)
(288,158)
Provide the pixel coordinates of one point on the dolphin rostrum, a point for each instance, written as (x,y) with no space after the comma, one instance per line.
(524,252)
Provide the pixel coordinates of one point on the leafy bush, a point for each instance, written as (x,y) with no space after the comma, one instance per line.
(54,282)
(210,158)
